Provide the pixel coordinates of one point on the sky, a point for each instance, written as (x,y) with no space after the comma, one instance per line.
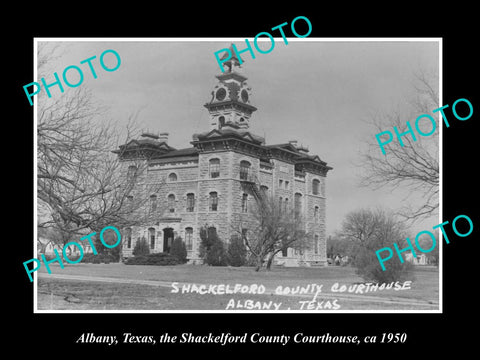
(318,92)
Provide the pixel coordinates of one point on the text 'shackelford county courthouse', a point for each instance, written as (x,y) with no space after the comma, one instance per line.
(214,182)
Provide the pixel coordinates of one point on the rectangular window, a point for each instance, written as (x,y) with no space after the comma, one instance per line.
(286,184)
(244,170)
(244,203)
(213,201)
(171,203)
(280,183)
(214,168)
(190,202)
(315,248)
(189,239)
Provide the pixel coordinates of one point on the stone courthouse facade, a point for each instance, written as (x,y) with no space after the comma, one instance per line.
(214,182)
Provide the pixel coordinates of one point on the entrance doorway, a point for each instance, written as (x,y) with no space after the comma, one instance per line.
(167,239)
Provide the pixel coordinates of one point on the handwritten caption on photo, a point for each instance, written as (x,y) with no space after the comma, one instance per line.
(258,289)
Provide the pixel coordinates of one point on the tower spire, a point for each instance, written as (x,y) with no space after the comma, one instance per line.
(233,61)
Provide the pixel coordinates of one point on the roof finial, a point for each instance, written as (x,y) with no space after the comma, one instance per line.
(233,61)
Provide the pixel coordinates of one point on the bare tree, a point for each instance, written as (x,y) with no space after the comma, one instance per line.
(81,185)
(371,230)
(271,229)
(414,166)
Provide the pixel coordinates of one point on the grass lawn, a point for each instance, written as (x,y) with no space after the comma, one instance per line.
(73,294)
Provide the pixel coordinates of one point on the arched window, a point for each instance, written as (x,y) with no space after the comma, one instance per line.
(264,189)
(190,202)
(316,214)
(189,238)
(128,235)
(221,122)
(151,236)
(244,203)
(213,201)
(153,202)
(316,187)
(244,170)
(132,172)
(286,205)
(214,168)
(171,203)
(130,201)
(172,177)
(211,232)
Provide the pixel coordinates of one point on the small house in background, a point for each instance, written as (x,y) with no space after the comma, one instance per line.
(46,246)
(421,259)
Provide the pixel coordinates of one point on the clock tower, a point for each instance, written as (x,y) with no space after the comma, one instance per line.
(230,105)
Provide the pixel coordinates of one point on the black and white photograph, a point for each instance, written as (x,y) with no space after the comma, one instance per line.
(170,179)
(226,181)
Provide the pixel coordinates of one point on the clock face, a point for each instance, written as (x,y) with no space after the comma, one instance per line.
(220,94)
(244,95)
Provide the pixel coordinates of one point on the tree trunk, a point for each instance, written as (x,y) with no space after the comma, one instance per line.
(259,263)
(270,260)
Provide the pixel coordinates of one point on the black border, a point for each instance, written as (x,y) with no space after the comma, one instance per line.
(427,333)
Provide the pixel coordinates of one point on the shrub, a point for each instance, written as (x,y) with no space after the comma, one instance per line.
(179,250)
(367,266)
(159,259)
(141,247)
(99,258)
(216,255)
(237,252)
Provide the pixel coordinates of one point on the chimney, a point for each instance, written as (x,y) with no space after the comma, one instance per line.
(148,134)
(163,137)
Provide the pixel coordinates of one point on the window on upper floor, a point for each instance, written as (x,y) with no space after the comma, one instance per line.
(244,203)
(316,187)
(130,201)
(153,202)
(190,202)
(315,245)
(244,170)
(221,122)
(172,177)
(316,215)
(286,184)
(131,172)
(214,168)
(298,203)
(171,203)
(213,203)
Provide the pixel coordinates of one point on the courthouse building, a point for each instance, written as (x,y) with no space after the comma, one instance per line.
(214,182)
